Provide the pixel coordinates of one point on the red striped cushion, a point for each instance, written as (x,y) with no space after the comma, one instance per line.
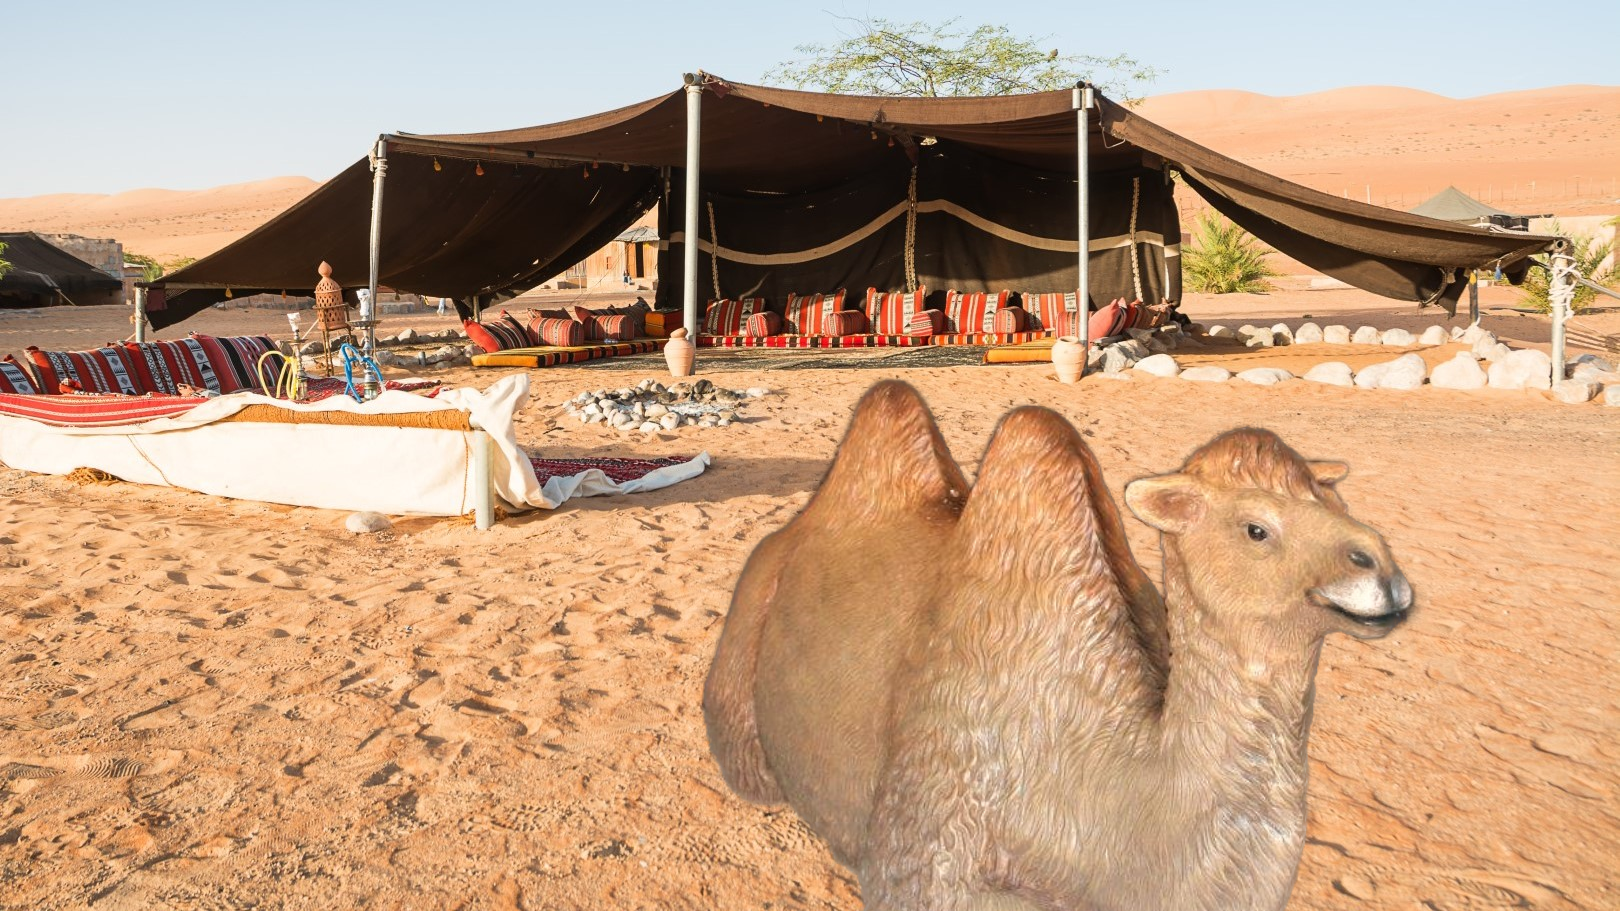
(1009,319)
(498,335)
(163,366)
(15,378)
(102,370)
(728,317)
(973,312)
(846,322)
(890,313)
(94,410)
(926,323)
(1053,312)
(618,326)
(810,314)
(763,325)
(564,333)
(235,361)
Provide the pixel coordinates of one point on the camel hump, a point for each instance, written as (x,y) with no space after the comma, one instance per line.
(892,461)
(1040,517)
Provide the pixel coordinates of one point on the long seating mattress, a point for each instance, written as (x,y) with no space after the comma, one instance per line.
(864,341)
(548,356)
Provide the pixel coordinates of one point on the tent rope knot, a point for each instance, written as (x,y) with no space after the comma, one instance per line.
(1561,289)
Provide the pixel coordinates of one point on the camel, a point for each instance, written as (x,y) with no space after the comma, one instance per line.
(978,700)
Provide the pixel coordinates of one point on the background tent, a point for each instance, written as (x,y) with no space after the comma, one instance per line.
(1452,204)
(803,191)
(44,275)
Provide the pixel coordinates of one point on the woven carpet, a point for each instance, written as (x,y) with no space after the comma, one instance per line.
(619,470)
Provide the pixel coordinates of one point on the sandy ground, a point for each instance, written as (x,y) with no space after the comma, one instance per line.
(210,703)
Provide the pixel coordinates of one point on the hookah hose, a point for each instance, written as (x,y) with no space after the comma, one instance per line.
(289,380)
(350,358)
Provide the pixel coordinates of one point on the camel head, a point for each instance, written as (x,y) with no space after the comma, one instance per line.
(1265,546)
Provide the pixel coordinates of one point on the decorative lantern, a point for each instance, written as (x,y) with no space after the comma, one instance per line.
(330,310)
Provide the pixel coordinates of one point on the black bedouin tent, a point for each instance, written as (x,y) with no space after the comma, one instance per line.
(810,192)
(44,275)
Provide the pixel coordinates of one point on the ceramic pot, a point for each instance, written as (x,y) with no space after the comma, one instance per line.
(1068,356)
(679,353)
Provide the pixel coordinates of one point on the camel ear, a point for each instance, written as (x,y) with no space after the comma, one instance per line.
(1329,473)
(1171,503)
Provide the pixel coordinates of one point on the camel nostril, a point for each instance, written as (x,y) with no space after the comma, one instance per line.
(1362,559)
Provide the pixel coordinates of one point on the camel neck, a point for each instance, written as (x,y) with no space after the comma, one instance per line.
(1235,723)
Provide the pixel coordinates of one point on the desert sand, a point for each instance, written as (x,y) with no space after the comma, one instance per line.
(211,703)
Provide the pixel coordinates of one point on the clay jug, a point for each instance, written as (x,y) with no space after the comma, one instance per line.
(679,352)
(1068,356)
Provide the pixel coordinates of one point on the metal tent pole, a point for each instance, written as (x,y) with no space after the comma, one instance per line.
(379,171)
(1561,293)
(1083,101)
(140,314)
(689,250)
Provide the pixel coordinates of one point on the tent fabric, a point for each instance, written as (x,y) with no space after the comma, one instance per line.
(447,232)
(39,267)
(811,191)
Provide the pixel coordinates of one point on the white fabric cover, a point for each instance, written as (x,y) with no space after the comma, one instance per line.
(393,470)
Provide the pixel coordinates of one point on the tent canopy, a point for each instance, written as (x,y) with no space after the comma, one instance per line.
(40,268)
(807,192)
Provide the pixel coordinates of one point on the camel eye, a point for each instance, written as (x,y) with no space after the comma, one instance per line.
(1257,532)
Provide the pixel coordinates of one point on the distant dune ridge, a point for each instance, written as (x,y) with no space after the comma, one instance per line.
(1543,150)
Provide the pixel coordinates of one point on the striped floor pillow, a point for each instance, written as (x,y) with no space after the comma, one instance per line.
(15,378)
(763,325)
(810,314)
(163,366)
(1149,316)
(102,370)
(926,323)
(890,313)
(846,322)
(235,361)
(617,326)
(1052,312)
(729,317)
(1009,319)
(499,335)
(967,313)
(563,333)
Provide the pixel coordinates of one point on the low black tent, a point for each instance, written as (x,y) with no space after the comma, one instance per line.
(809,192)
(44,275)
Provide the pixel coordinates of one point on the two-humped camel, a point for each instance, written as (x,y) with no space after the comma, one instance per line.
(979,700)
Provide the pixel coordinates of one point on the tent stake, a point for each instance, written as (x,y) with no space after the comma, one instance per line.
(379,171)
(140,314)
(689,249)
(1082,105)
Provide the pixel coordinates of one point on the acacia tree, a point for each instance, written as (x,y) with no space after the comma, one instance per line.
(883,57)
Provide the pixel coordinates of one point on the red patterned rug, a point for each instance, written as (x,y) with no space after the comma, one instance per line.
(620,470)
(95,410)
(320,388)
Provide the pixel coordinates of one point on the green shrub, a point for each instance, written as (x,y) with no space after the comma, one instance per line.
(1589,255)
(1224,258)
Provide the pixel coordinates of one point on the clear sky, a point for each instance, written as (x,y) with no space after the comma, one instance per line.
(104,96)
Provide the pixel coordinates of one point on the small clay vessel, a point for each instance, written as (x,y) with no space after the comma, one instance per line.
(1069,357)
(679,353)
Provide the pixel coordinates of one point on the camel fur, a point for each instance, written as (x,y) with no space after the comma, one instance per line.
(979,700)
